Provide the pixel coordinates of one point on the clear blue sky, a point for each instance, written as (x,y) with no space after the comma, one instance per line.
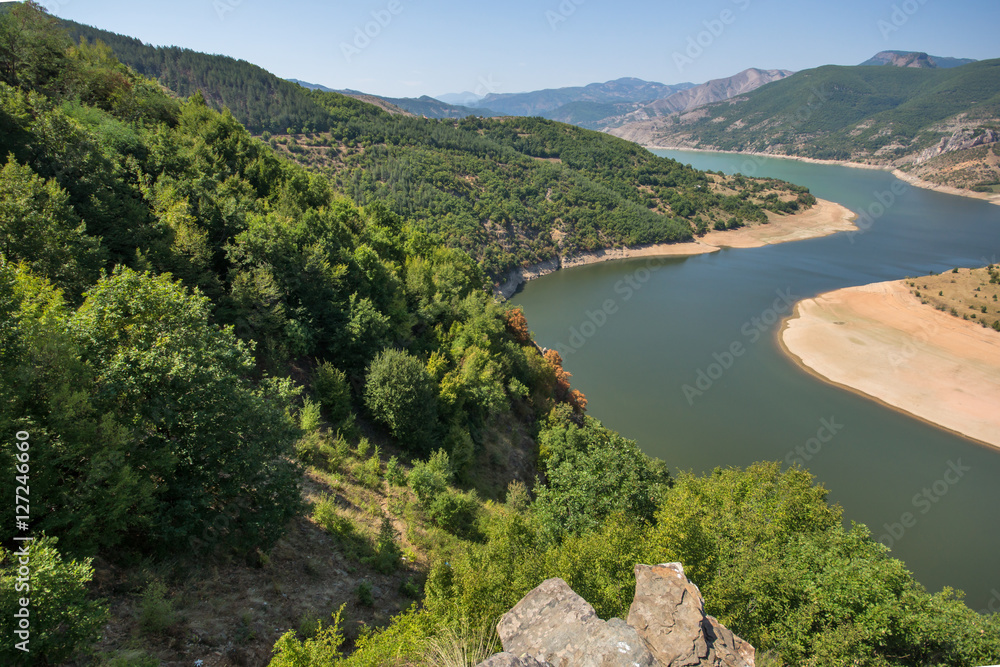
(440,46)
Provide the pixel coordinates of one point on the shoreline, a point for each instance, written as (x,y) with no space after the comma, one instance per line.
(895,171)
(879,341)
(822,219)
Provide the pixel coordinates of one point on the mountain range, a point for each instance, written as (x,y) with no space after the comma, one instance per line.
(941,124)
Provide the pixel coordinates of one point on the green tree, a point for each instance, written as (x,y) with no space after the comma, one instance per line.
(333,391)
(39,227)
(401,394)
(592,473)
(217,447)
(64,619)
(32,48)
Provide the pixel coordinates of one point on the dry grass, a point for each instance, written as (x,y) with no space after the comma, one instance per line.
(965,293)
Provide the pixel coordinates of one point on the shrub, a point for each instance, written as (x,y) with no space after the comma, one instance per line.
(430,478)
(401,394)
(156,613)
(309,416)
(456,512)
(321,649)
(364,594)
(387,554)
(320,449)
(332,390)
(64,620)
(394,473)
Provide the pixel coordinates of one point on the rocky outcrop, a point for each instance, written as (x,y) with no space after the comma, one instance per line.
(669,614)
(959,140)
(508,286)
(552,626)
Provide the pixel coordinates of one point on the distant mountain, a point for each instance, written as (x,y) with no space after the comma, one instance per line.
(314,86)
(917,59)
(434,108)
(417,106)
(537,102)
(465,98)
(715,90)
(601,116)
(943,124)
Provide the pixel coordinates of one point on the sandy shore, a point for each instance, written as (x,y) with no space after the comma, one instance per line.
(823,219)
(901,175)
(881,341)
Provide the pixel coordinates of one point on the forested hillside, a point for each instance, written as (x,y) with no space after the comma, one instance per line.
(882,115)
(267,424)
(508,192)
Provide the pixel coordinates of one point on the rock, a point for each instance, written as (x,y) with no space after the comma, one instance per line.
(506,659)
(552,626)
(506,288)
(669,614)
(557,626)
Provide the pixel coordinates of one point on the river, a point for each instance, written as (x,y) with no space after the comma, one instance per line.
(681,355)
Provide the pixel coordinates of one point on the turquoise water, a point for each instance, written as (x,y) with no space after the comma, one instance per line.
(682,356)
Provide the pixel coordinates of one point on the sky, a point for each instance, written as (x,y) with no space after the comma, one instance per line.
(408,48)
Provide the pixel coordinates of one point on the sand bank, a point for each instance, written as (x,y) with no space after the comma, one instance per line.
(881,341)
(822,219)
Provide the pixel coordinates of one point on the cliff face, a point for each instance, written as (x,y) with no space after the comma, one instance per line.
(554,627)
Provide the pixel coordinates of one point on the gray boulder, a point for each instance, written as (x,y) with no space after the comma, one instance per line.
(669,614)
(557,626)
(667,626)
(506,659)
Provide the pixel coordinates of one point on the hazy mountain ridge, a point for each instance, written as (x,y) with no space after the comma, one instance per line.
(535,103)
(602,116)
(417,106)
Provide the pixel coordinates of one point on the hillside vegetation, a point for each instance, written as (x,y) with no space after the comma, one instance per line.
(509,192)
(267,424)
(881,115)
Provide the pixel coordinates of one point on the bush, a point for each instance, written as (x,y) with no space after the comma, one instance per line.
(401,394)
(156,613)
(309,416)
(430,478)
(387,554)
(320,449)
(456,512)
(332,390)
(64,620)
(321,649)
(394,473)
(364,594)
